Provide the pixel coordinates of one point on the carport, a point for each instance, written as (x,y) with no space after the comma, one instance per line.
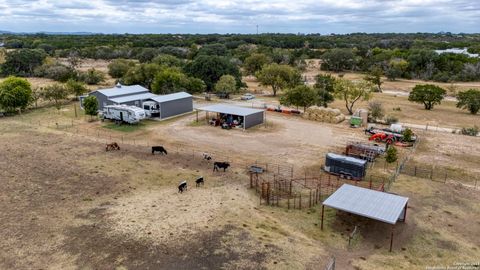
(251,117)
(373,204)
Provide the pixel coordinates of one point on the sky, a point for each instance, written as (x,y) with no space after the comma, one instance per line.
(240,16)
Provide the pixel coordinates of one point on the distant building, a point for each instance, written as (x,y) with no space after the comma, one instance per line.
(458,51)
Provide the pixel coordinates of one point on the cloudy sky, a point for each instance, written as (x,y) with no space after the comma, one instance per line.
(240,16)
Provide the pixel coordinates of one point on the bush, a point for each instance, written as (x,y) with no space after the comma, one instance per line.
(119,67)
(92,76)
(473,131)
(90,105)
(75,87)
(390,119)
(392,154)
(407,135)
(376,110)
(15,93)
(57,72)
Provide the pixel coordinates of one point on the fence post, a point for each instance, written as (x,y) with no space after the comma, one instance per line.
(431,173)
(300,202)
(310,199)
(415,172)
(445,177)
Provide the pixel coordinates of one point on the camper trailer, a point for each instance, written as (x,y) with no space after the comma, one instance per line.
(344,166)
(123,113)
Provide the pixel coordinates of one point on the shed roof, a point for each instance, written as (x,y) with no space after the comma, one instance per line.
(348,159)
(121,90)
(381,206)
(228,109)
(130,98)
(170,97)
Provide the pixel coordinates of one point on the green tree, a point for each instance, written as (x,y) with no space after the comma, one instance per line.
(376,110)
(211,68)
(92,76)
(76,88)
(22,62)
(375,77)
(469,100)
(427,94)
(167,60)
(351,92)
(119,67)
(324,86)
(255,62)
(396,68)
(392,154)
(15,93)
(278,77)
(142,74)
(338,60)
(195,85)
(407,135)
(56,93)
(300,96)
(226,84)
(169,80)
(90,104)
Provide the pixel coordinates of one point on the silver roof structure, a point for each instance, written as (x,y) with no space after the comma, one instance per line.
(170,97)
(120,90)
(347,158)
(228,109)
(381,206)
(130,98)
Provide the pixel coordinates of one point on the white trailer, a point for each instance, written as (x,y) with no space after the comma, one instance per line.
(123,113)
(152,109)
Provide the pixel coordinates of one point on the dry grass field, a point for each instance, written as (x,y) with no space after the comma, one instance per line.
(68,204)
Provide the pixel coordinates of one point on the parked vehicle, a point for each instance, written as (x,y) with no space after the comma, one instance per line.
(223,95)
(383,137)
(123,113)
(395,130)
(346,167)
(152,109)
(247,96)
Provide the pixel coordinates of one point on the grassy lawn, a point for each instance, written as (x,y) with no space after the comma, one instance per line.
(126,127)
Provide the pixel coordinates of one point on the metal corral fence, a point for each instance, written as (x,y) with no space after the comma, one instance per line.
(300,193)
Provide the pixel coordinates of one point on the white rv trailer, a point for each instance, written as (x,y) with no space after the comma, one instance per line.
(123,113)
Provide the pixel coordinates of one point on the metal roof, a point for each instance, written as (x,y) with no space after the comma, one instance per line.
(130,98)
(121,90)
(347,159)
(228,109)
(382,206)
(170,97)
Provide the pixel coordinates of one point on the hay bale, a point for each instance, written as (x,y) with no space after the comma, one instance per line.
(321,114)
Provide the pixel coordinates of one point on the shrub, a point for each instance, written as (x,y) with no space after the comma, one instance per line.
(56,93)
(75,87)
(392,154)
(376,110)
(407,135)
(119,67)
(15,93)
(90,105)
(473,131)
(92,76)
(57,72)
(390,119)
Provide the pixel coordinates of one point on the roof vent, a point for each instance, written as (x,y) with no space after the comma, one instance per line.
(118,85)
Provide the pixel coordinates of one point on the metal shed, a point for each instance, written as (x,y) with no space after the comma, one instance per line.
(251,117)
(174,104)
(105,96)
(373,204)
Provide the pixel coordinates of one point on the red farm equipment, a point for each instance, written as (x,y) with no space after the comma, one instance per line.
(383,137)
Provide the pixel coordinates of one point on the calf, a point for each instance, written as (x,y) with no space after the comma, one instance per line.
(207,156)
(182,187)
(220,165)
(112,146)
(199,181)
(160,149)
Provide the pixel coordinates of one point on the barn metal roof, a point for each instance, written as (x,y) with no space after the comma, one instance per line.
(170,97)
(381,206)
(228,109)
(130,98)
(347,159)
(121,90)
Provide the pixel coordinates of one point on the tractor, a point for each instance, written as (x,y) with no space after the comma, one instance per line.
(382,137)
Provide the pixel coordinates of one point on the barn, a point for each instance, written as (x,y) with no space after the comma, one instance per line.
(246,117)
(135,95)
(174,104)
(122,94)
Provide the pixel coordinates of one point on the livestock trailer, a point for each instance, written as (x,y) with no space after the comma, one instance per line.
(123,113)
(364,151)
(344,166)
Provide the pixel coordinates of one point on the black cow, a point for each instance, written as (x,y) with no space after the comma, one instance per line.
(160,149)
(199,181)
(207,156)
(182,187)
(220,165)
